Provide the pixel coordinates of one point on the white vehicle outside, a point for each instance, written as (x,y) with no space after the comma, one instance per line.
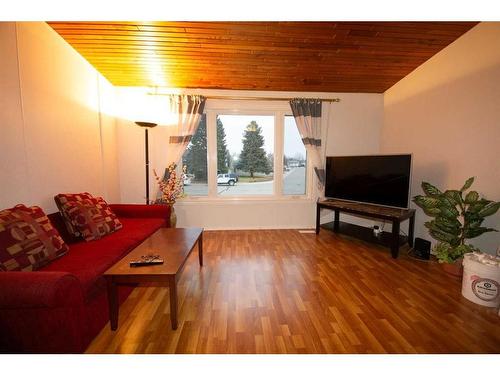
(225,178)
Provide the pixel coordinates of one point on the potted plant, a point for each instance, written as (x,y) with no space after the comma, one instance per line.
(172,188)
(457,216)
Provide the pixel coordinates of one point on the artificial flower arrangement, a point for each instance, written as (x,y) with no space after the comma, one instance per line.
(173,187)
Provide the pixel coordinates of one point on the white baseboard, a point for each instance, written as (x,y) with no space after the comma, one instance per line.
(254,228)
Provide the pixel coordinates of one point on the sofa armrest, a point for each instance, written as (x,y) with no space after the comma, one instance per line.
(39,289)
(161,211)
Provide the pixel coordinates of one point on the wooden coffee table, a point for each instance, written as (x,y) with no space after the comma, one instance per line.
(174,246)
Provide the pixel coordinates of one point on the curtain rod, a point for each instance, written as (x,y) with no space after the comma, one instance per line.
(334,100)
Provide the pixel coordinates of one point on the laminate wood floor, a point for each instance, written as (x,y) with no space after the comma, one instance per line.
(279,291)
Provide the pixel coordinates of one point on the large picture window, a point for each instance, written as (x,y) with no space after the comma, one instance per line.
(240,152)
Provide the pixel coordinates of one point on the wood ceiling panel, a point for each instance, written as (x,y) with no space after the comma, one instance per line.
(281,56)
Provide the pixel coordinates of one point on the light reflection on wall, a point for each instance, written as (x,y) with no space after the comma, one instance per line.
(137,104)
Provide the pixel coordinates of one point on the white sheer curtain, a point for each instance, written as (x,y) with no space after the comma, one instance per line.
(312,117)
(189,109)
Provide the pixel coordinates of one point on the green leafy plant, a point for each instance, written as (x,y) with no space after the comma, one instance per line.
(457,215)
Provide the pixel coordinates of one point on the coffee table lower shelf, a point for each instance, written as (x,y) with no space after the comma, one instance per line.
(174,246)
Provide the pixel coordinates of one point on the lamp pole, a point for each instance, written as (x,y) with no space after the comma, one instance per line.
(146,126)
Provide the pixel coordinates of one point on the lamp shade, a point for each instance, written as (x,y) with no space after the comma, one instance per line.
(144,124)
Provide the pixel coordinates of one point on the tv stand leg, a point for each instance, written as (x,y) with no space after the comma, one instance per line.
(411,230)
(395,239)
(336,219)
(318,211)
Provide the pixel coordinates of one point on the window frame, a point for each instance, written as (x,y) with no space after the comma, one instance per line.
(278,109)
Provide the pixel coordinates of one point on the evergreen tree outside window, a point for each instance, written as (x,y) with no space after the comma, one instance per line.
(222,153)
(253,157)
(195,160)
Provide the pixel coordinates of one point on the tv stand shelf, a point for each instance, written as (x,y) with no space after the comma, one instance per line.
(394,215)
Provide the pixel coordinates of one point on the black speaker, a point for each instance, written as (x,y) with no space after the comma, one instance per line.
(422,249)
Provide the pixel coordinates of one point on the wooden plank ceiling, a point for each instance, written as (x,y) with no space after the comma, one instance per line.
(282,56)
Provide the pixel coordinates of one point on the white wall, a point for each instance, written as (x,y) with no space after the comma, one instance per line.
(447,113)
(54,137)
(355,129)
(109,140)
(14,186)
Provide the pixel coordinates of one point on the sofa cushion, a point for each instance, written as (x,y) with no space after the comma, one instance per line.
(28,241)
(89,260)
(90,217)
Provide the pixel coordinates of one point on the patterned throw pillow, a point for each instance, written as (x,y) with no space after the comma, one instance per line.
(90,217)
(28,241)
(61,200)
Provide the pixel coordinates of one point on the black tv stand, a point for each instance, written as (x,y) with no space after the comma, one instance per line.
(395,215)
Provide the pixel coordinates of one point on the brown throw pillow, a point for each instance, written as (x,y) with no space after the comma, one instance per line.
(28,241)
(90,218)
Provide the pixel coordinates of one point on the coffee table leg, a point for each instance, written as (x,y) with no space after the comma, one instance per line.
(200,249)
(172,283)
(113,303)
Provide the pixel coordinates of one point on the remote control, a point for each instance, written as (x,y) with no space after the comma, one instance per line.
(142,263)
(146,260)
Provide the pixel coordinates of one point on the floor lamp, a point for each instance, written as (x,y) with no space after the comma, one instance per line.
(146,126)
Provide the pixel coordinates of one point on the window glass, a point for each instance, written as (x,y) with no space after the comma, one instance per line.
(245,155)
(195,161)
(294,160)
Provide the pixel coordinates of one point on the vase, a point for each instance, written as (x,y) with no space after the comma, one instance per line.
(173,217)
(454,269)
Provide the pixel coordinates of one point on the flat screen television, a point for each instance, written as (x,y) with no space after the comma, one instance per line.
(376,179)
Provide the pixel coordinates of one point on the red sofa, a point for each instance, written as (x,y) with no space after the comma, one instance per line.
(63,306)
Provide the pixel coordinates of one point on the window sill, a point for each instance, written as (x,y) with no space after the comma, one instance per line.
(246,199)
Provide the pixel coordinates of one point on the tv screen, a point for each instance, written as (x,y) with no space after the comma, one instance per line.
(377,179)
